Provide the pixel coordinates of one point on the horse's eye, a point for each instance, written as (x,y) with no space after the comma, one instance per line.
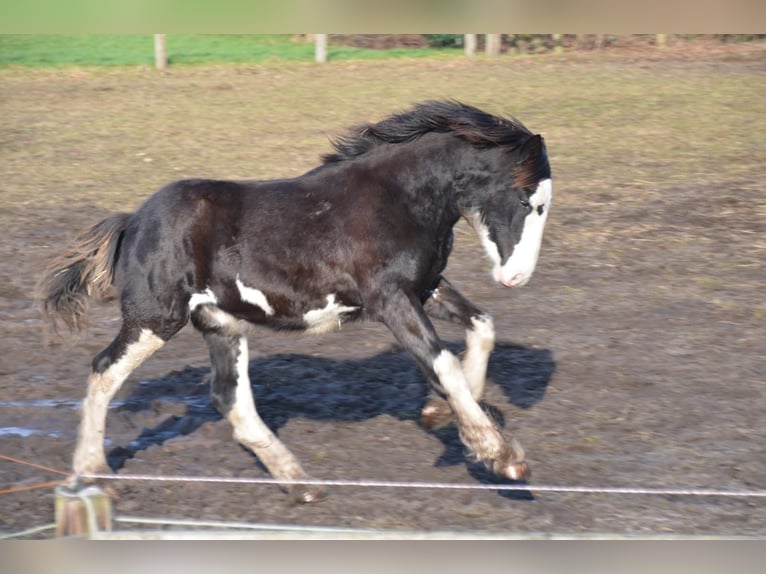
(525,204)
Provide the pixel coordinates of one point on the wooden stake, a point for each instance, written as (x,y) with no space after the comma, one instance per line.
(160,52)
(492,45)
(82,511)
(470,44)
(320,48)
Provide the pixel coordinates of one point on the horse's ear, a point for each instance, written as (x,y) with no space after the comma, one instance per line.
(531,148)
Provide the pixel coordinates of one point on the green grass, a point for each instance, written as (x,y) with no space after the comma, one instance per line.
(137,50)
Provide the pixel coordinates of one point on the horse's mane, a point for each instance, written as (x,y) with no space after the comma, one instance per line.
(442,116)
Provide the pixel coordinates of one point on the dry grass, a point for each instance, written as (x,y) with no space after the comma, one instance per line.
(111,136)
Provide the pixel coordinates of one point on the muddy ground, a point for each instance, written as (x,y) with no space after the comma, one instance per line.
(635,357)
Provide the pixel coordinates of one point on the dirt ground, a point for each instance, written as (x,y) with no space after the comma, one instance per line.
(635,357)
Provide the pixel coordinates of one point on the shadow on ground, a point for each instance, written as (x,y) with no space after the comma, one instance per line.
(325,389)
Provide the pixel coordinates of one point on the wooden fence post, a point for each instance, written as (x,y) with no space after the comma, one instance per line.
(82,511)
(558,48)
(320,42)
(470,44)
(160,52)
(492,47)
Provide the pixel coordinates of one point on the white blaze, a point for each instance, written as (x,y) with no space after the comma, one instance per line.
(521,264)
(489,246)
(519,267)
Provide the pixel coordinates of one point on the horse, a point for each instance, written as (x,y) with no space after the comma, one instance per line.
(364,236)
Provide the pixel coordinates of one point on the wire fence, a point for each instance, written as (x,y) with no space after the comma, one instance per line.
(435,485)
(231,530)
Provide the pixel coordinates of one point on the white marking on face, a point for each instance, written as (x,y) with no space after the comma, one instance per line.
(254,297)
(474,218)
(207,296)
(327,318)
(521,264)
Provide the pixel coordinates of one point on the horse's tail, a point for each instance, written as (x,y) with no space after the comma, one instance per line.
(85,270)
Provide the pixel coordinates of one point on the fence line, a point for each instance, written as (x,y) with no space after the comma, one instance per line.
(265,531)
(34,465)
(436,485)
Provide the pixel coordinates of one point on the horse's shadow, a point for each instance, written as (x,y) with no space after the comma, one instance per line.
(295,385)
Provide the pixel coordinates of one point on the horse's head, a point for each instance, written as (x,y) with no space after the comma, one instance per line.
(511,211)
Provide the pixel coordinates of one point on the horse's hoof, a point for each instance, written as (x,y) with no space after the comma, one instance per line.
(518,471)
(307,495)
(436,414)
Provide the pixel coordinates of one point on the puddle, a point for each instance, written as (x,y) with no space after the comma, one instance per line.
(21,432)
(42,403)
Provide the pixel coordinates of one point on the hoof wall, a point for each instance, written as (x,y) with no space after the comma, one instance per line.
(519,472)
(436,414)
(307,495)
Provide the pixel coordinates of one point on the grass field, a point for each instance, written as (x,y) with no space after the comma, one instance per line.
(137,50)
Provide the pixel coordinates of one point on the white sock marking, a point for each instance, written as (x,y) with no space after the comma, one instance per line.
(252,432)
(327,318)
(476,429)
(248,426)
(89,453)
(479,343)
(254,297)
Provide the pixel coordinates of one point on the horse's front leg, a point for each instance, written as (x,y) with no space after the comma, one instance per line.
(446,303)
(406,318)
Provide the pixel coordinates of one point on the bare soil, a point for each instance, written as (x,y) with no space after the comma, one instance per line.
(635,357)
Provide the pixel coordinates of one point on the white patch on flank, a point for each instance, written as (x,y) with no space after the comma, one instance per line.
(207,296)
(89,453)
(327,318)
(521,264)
(254,297)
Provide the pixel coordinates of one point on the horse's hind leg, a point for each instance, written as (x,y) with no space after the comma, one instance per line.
(232,396)
(110,368)
(446,303)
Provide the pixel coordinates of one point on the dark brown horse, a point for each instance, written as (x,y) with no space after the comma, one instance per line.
(365,235)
